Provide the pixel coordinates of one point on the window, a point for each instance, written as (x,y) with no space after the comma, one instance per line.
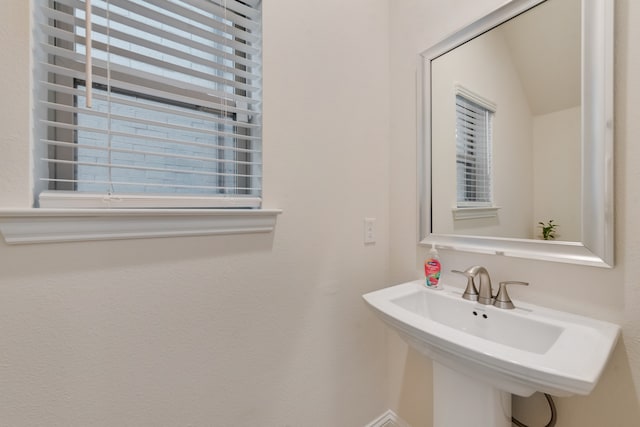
(473,151)
(161,109)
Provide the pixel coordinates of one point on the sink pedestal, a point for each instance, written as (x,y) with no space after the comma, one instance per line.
(462,401)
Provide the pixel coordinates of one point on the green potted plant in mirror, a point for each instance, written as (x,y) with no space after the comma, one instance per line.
(548,230)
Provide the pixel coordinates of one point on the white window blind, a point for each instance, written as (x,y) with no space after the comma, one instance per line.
(174,90)
(473,153)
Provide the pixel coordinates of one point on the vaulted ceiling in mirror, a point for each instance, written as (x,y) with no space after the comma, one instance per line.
(534,47)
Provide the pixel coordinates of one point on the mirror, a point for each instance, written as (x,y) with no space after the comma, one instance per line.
(517,129)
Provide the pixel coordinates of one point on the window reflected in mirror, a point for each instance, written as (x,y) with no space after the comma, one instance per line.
(515,145)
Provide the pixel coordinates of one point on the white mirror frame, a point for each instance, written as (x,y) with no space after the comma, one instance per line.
(597,246)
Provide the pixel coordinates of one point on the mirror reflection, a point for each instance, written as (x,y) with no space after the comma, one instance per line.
(506,129)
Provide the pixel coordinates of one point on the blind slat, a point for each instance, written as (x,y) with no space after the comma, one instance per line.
(138,26)
(211,103)
(180,9)
(132,102)
(150,169)
(88,200)
(158,49)
(143,152)
(146,184)
(162,64)
(122,76)
(152,31)
(237,26)
(132,121)
(142,139)
(148,12)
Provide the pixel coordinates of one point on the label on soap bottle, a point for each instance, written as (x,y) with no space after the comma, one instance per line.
(432,273)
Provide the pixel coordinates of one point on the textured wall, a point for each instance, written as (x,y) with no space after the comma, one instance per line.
(14,69)
(248,330)
(612,295)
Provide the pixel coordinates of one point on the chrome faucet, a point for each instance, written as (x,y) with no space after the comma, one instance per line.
(470,292)
(485,292)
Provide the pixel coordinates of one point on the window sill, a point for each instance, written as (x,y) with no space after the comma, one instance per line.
(25,226)
(475,212)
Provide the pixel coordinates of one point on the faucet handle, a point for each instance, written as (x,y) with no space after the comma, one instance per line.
(470,292)
(502,299)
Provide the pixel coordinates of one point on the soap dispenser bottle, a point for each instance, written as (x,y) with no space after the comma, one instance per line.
(432,269)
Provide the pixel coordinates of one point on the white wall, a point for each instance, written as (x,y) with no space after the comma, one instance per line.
(612,295)
(557,171)
(248,330)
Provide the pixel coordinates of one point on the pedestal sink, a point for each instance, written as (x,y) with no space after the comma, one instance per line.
(483,354)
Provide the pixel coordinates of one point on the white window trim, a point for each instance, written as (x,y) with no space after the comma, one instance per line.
(475,212)
(75,200)
(478,99)
(37,225)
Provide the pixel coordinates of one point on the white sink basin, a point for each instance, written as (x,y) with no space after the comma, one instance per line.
(519,351)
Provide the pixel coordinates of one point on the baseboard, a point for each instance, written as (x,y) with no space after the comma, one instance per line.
(388,419)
